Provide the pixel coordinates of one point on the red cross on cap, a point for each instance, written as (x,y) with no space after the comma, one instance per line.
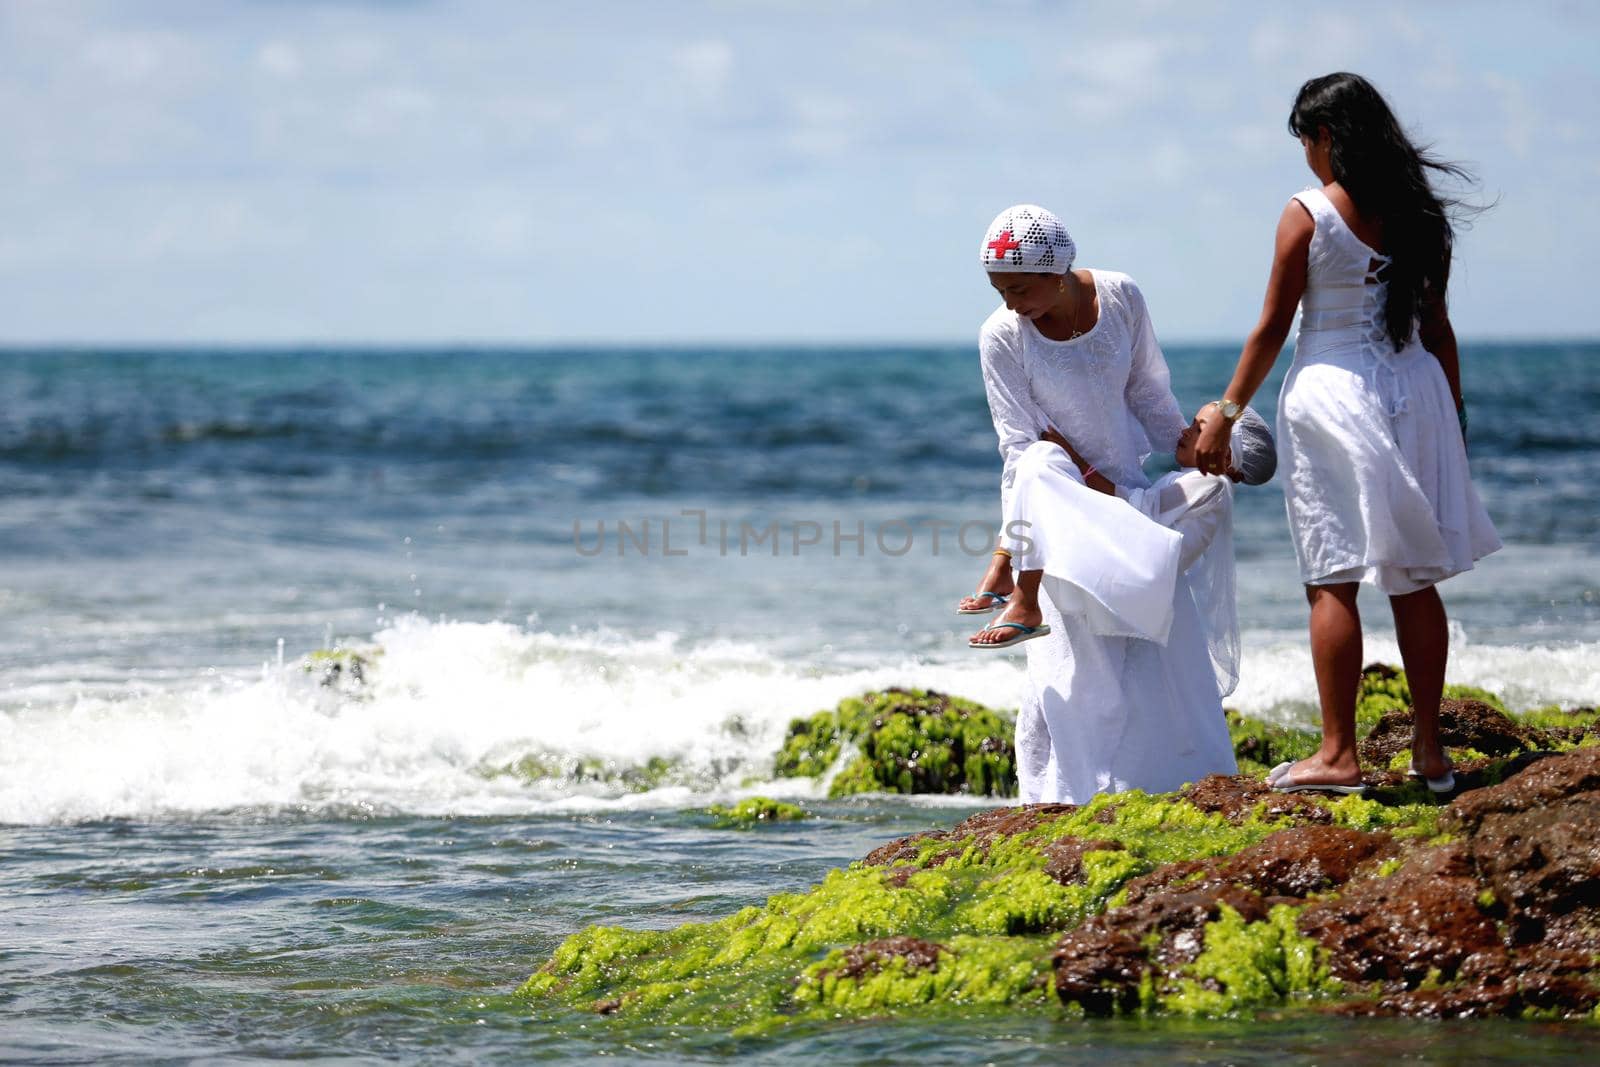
(1003,244)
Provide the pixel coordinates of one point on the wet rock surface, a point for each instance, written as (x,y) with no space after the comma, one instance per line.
(903,741)
(1222,899)
(1470,724)
(1506,917)
(871,956)
(1240,797)
(985,828)
(1109,962)
(1423,919)
(1064,857)
(1502,919)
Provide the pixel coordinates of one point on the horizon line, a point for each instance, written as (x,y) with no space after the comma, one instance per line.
(11,347)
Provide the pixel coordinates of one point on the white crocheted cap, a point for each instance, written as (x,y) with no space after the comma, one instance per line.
(1255,454)
(1027,238)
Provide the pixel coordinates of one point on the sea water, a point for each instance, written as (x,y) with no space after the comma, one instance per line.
(602,583)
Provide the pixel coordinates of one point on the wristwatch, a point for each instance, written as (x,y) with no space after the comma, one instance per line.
(1228,409)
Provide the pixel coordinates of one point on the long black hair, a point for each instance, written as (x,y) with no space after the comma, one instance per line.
(1387,177)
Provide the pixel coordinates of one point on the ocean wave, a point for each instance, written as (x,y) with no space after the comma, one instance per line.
(463,718)
(489,718)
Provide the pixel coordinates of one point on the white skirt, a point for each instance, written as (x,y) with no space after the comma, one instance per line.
(1374,470)
(1124,691)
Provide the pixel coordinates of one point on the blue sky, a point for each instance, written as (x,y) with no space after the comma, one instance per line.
(675,172)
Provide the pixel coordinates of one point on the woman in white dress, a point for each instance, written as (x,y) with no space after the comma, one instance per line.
(1371,421)
(1123,689)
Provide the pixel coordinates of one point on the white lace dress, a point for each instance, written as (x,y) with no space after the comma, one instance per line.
(1373,466)
(1123,693)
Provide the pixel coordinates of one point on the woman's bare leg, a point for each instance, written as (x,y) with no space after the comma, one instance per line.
(1423,632)
(1336,657)
(1024,608)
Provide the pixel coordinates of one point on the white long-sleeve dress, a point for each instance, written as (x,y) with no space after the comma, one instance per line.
(1123,692)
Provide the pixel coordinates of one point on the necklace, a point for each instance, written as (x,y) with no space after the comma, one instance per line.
(1076,302)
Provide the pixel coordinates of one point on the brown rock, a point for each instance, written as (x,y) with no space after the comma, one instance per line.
(901,848)
(1462,724)
(1544,862)
(1535,842)
(1237,796)
(1101,963)
(1064,857)
(1423,918)
(1505,915)
(986,826)
(1546,781)
(1305,859)
(870,957)
(1535,990)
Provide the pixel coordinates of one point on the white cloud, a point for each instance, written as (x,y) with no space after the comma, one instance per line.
(128,60)
(705,66)
(279,59)
(287,148)
(1520,120)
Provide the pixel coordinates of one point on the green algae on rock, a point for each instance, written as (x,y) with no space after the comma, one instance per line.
(991,893)
(920,741)
(1259,746)
(754,810)
(1385,689)
(905,972)
(1244,964)
(1222,899)
(344,669)
(903,741)
(653,773)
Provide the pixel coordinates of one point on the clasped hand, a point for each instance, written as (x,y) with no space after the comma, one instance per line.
(1213,448)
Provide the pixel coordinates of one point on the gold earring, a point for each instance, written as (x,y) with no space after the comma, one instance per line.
(1061,286)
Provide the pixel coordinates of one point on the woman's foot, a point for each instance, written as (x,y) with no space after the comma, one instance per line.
(1431,763)
(997,579)
(1028,615)
(1315,772)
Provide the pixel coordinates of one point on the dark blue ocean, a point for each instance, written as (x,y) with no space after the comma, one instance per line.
(596,558)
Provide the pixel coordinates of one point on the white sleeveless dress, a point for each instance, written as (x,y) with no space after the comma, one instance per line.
(1373,466)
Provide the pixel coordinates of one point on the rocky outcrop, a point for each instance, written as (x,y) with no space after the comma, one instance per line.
(752,811)
(903,741)
(1224,898)
(1475,725)
(1503,919)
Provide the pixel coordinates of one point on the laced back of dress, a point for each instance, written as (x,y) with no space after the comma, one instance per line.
(1345,295)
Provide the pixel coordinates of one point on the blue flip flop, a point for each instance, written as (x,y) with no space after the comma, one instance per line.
(997,601)
(1024,633)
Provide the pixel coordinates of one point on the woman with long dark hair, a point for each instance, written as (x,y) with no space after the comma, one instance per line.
(1371,420)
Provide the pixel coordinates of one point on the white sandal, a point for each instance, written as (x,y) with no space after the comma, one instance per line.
(1283,782)
(1443,784)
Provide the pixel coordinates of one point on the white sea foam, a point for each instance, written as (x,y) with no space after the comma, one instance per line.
(451,703)
(1276,681)
(448,704)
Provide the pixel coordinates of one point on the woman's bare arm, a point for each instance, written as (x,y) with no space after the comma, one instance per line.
(1439,337)
(1285,285)
(1091,477)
